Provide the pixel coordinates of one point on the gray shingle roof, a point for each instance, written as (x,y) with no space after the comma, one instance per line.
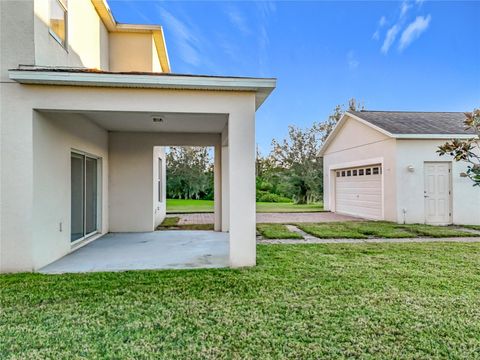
(406,122)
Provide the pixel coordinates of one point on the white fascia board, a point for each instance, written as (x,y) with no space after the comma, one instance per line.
(339,125)
(435,136)
(379,129)
(262,87)
(358,163)
(332,135)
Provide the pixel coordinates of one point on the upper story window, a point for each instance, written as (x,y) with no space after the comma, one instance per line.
(58,21)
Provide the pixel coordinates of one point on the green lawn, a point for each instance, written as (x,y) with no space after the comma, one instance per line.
(192,206)
(380,301)
(277,231)
(171,223)
(473,227)
(288,207)
(378,229)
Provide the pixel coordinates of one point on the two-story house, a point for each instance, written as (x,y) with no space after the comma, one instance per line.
(87,106)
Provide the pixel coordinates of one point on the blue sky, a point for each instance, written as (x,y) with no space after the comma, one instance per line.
(390,55)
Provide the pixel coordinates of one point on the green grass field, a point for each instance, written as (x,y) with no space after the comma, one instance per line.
(276,231)
(192,206)
(378,229)
(376,301)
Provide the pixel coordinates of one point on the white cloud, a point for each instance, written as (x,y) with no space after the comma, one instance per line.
(239,21)
(413,31)
(188,44)
(382,22)
(390,38)
(352,60)
(404,8)
(419,2)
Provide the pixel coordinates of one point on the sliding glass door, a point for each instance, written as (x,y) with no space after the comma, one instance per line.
(84,196)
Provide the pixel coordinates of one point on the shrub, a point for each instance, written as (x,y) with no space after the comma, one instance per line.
(264,196)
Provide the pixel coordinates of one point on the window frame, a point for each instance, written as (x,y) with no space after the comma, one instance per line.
(99,200)
(63,44)
(160,180)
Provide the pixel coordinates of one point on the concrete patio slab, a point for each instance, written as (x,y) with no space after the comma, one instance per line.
(142,251)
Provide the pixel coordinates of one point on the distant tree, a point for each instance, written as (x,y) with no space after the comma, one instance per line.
(467,150)
(298,164)
(189,173)
(326,127)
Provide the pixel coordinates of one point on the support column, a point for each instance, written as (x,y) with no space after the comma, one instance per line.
(241,149)
(217,187)
(225,184)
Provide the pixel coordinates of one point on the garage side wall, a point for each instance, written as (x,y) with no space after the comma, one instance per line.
(411,202)
(355,145)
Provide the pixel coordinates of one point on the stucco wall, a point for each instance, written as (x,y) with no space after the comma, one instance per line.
(17,107)
(410,190)
(16,35)
(133,52)
(87,37)
(357,144)
(54,137)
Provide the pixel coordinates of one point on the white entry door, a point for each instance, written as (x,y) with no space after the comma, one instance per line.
(437,193)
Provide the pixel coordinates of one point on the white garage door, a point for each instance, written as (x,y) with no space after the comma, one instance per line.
(358,191)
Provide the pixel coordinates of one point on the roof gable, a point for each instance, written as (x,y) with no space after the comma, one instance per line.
(352,131)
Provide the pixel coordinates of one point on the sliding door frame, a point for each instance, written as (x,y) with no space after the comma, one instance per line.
(99,181)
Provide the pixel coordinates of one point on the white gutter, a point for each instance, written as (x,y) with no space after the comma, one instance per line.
(261,86)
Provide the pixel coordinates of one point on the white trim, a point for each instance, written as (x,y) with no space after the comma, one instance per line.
(435,136)
(369,124)
(358,163)
(355,164)
(261,86)
(98,230)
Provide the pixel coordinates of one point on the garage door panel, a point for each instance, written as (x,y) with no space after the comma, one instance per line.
(359,195)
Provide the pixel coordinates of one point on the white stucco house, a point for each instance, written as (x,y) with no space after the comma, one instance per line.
(383,165)
(87,105)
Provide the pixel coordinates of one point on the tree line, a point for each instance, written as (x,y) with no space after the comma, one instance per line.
(292,170)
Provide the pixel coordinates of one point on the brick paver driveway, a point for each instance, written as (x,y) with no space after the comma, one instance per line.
(208,218)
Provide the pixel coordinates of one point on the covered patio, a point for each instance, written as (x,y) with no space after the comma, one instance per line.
(147,251)
(116,125)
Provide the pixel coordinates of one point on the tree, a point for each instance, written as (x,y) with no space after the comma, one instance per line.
(189,173)
(467,150)
(326,127)
(298,164)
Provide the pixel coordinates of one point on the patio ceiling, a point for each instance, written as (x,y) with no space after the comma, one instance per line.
(156,122)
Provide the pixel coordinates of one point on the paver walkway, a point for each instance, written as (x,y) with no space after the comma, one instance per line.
(281,218)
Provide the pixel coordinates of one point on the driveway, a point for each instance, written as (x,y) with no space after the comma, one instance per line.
(281,218)
(143,251)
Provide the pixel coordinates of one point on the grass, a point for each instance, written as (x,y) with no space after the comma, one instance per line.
(171,223)
(288,207)
(378,229)
(377,301)
(178,206)
(473,227)
(277,231)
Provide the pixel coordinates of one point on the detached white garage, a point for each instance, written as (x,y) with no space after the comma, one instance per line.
(383,165)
